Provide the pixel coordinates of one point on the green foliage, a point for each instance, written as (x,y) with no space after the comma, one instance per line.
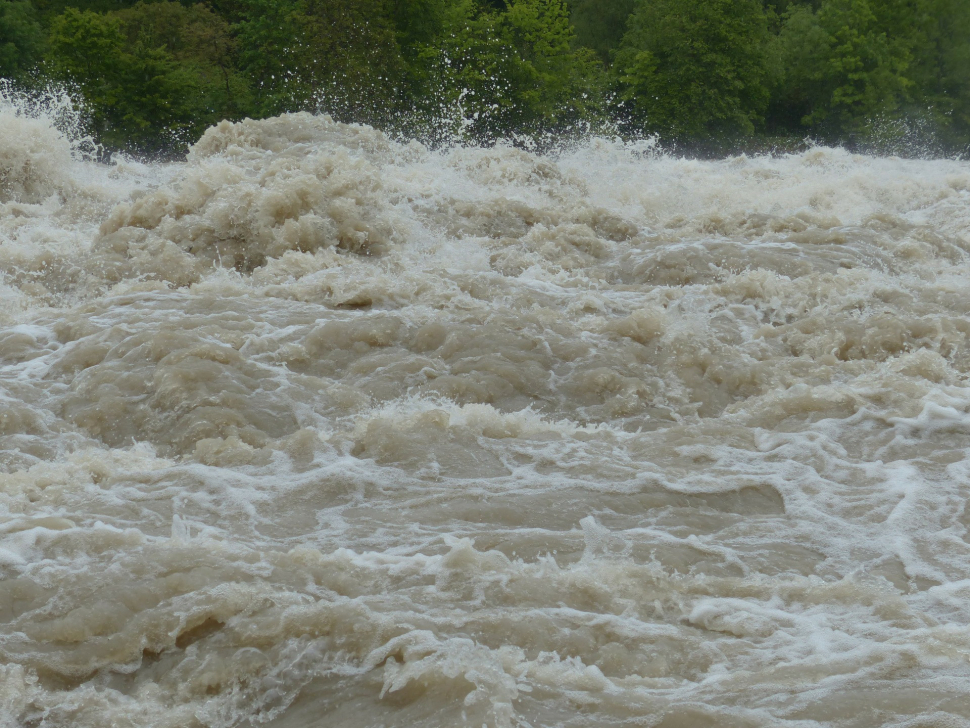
(842,67)
(515,70)
(50,8)
(140,95)
(154,74)
(200,42)
(940,70)
(274,38)
(299,52)
(781,7)
(418,22)
(695,70)
(600,24)
(21,37)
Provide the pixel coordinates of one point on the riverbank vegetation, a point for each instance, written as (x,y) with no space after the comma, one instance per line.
(707,75)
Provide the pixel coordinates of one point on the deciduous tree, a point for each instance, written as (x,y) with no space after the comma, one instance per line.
(695,70)
(21,37)
(139,95)
(842,65)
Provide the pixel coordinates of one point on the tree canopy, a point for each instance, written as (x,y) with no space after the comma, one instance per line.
(21,37)
(693,70)
(714,73)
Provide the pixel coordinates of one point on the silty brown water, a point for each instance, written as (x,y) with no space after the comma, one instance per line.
(321,429)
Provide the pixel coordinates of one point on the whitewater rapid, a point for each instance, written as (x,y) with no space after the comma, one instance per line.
(319,428)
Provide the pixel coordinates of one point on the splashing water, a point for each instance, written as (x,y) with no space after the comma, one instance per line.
(322,429)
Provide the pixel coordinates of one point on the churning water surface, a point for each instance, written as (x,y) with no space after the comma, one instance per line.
(322,429)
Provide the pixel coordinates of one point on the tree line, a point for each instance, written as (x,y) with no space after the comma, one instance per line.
(708,74)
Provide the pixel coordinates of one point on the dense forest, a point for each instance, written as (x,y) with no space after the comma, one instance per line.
(702,74)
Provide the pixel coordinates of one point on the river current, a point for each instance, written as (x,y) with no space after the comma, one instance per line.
(318,428)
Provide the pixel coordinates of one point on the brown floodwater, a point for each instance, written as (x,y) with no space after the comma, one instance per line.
(318,428)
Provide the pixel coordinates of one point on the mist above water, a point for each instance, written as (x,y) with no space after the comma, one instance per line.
(318,428)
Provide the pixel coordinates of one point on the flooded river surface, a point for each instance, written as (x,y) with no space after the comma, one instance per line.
(322,429)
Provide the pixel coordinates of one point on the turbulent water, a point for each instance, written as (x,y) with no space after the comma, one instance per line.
(318,428)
